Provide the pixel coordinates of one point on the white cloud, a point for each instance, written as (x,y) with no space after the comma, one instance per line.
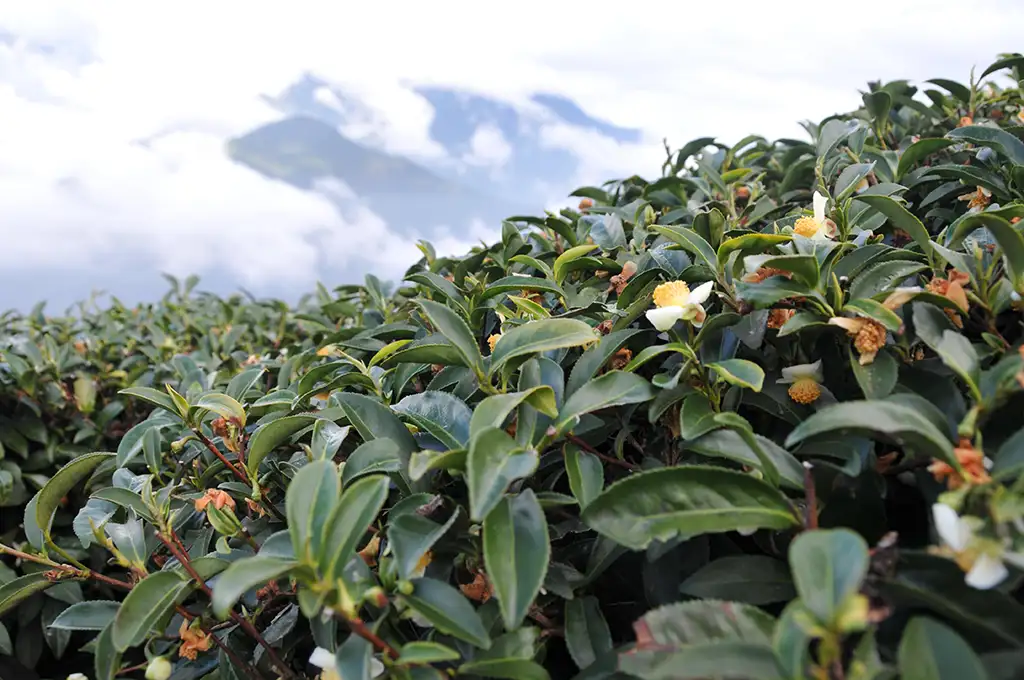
(488,148)
(113,114)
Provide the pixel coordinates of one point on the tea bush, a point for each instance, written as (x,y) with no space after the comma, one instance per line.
(758,419)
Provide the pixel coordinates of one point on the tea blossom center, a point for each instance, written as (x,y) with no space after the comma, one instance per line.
(804,391)
(672,294)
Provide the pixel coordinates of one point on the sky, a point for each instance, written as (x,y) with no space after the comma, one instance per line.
(114,113)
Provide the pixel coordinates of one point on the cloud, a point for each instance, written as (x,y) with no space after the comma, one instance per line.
(488,148)
(114,114)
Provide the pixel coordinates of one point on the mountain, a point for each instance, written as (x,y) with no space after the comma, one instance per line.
(497,158)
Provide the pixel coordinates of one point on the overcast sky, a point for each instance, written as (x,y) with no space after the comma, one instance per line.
(113,113)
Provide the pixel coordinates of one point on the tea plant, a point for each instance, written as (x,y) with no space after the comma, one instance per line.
(756,419)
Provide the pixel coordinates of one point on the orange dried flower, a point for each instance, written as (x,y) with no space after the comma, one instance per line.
(868,335)
(252,359)
(952,287)
(763,273)
(972,462)
(218,497)
(493,340)
(193,641)
(478,590)
(605,327)
(620,359)
(777,318)
(220,427)
(742,193)
(619,281)
(586,204)
(965,121)
(978,199)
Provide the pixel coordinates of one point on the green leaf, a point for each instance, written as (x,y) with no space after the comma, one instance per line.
(516,553)
(597,356)
(919,150)
(505,669)
(958,90)
(492,411)
(443,415)
(15,592)
(740,372)
(448,610)
(425,652)
(883,420)
(900,217)
(558,268)
(411,536)
(155,397)
(243,382)
(91,615)
(244,575)
(359,506)
(956,351)
(309,502)
(377,456)
(873,309)
(878,378)
(494,461)
(224,406)
(327,439)
(268,437)
(519,283)
(685,501)
(540,336)
(828,568)
(614,388)
(454,328)
(106,659)
(49,497)
(586,632)
(883,277)
(586,474)
(753,579)
(147,603)
(996,139)
(749,243)
(930,650)
(692,242)
(1010,241)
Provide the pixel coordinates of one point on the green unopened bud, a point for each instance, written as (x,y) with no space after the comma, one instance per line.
(376,596)
(223,520)
(158,669)
(405,587)
(178,444)
(650,217)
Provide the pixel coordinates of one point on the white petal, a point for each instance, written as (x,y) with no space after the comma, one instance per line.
(664,318)
(819,207)
(751,263)
(699,294)
(747,532)
(987,572)
(376,667)
(1014,558)
(321,658)
(791,374)
(953,531)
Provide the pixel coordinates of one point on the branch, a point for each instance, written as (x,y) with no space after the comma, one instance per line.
(67,568)
(245,624)
(606,458)
(811,494)
(359,628)
(213,449)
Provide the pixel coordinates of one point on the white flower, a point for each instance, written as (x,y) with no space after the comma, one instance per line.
(804,380)
(78,676)
(819,227)
(674,301)
(984,566)
(159,668)
(324,659)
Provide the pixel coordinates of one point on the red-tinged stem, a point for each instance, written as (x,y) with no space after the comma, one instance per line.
(811,494)
(590,449)
(357,626)
(67,568)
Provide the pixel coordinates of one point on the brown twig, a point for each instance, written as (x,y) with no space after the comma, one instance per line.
(67,568)
(606,458)
(245,624)
(215,451)
(811,494)
(359,628)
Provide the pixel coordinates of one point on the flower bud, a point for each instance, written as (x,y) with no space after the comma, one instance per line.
(159,668)
(405,587)
(178,444)
(223,520)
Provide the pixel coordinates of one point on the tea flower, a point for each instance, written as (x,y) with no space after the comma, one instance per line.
(493,340)
(804,382)
(421,566)
(219,499)
(674,301)
(868,335)
(977,200)
(818,227)
(193,640)
(973,463)
(952,287)
(981,558)
(324,659)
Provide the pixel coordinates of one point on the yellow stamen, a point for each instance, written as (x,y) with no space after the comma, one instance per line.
(804,391)
(806,227)
(493,340)
(672,294)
